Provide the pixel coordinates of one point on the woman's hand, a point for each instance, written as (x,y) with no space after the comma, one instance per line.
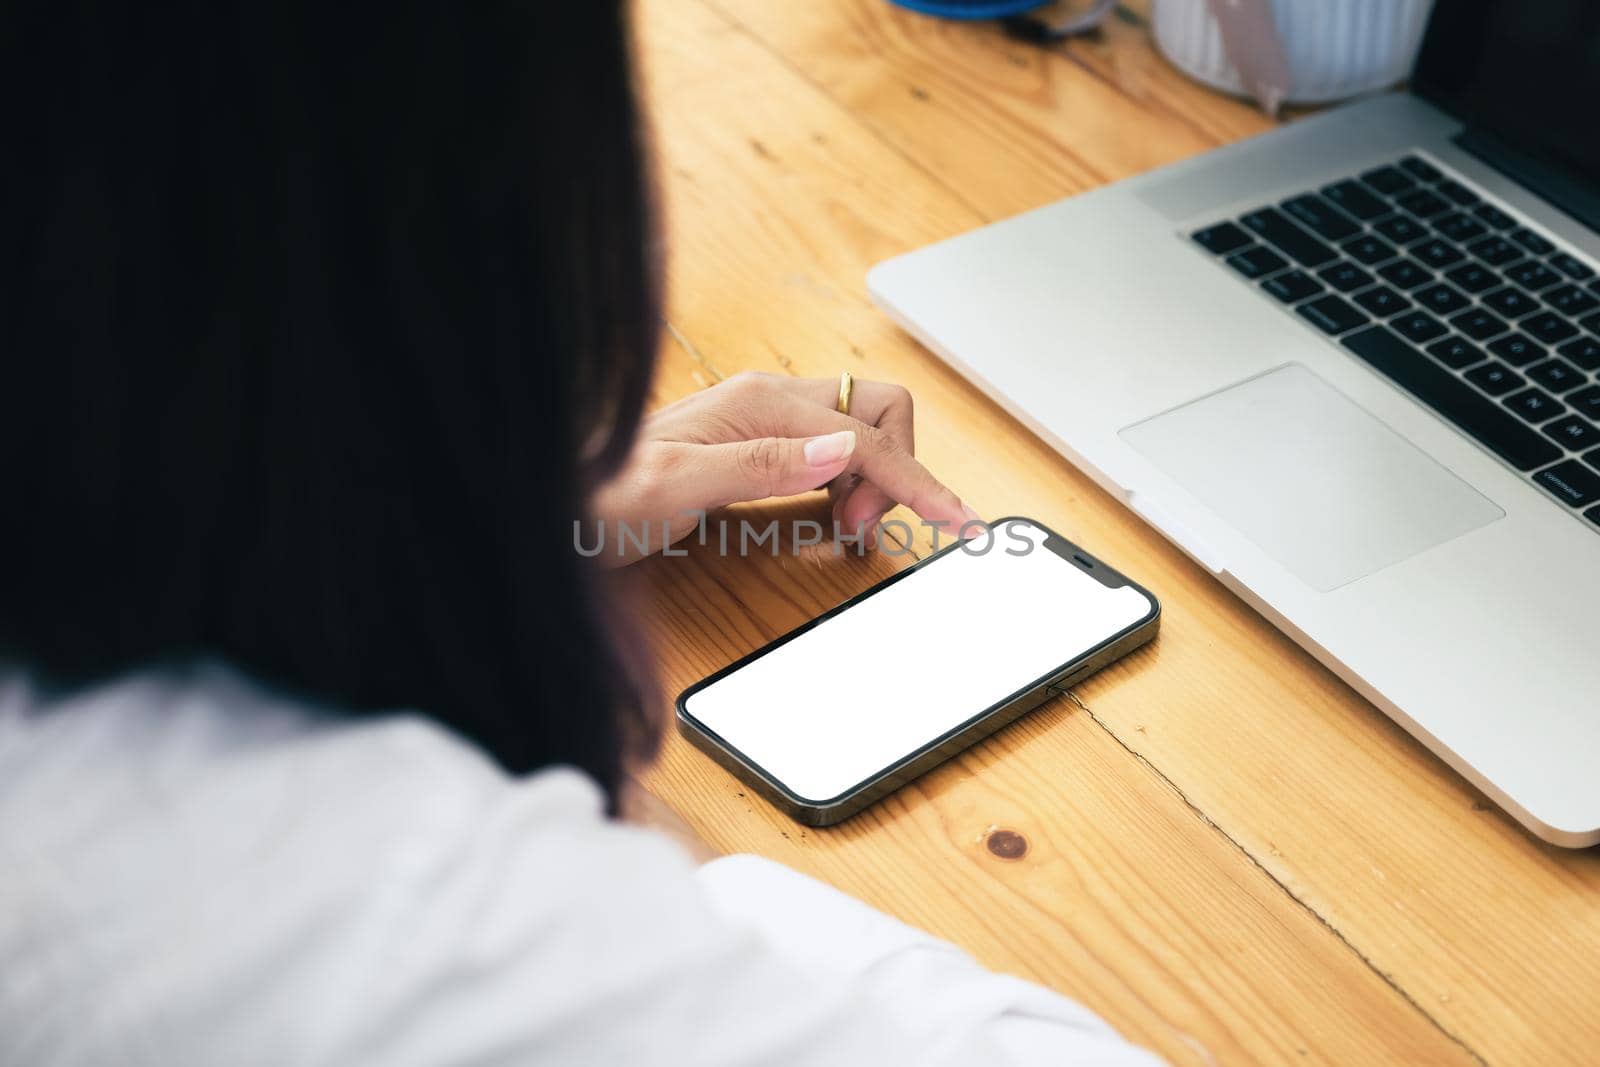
(763,435)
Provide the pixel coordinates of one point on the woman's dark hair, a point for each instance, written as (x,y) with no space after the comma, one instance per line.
(319,322)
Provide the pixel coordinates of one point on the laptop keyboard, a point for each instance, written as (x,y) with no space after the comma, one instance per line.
(1475,313)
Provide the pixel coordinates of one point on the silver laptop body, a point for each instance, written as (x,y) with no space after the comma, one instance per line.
(1443,584)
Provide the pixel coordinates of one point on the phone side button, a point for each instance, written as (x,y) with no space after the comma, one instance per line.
(1177,533)
(1059,685)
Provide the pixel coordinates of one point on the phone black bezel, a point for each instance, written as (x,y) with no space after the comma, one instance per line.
(958,738)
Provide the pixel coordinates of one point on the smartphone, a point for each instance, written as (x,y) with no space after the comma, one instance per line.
(844,710)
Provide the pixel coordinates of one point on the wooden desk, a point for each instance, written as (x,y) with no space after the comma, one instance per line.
(1229,854)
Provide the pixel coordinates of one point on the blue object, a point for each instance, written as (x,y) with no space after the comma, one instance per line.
(971,9)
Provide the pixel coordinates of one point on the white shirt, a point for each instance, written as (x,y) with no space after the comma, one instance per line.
(194,871)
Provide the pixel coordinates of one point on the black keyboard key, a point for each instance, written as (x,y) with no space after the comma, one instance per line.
(1383,301)
(1593,515)
(1573,433)
(1456,353)
(1496,379)
(1454,190)
(1353,198)
(1331,314)
(1493,217)
(1256,262)
(1549,327)
(1495,251)
(1387,180)
(1533,275)
(1274,226)
(1368,249)
(1535,405)
(1478,324)
(1320,217)
(1402,229)
(1418,327)
(1570,300)
(1594,287)
(1557,375)
(1459,227)
(1473,277)
(1221,238)
(1512,303)
(1452,398)
(1593,460)
(1345,276)
(1571,483)
(1406,274)
(1532,242)
(1422,204)
(1516,350)
(1571,266)
(1586,401)
(1590,323)
(1292,286)
(1441,299)
(1420,170)
(1584,351)
(1437,254)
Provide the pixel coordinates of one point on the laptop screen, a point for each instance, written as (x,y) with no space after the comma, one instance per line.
(1526,73)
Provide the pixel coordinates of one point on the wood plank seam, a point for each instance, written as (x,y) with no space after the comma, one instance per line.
(1384,976)
(761,42)
(692,352)
(1071,56)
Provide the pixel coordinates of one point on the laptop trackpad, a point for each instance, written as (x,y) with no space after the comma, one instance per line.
(1315,481)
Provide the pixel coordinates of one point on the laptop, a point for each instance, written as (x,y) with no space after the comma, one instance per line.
(1350,366)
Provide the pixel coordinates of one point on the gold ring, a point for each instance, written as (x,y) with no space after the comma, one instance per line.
(846,385)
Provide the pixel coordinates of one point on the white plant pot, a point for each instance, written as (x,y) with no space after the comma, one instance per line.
(1335,48)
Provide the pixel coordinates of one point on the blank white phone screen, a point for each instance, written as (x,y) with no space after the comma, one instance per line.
(856,694)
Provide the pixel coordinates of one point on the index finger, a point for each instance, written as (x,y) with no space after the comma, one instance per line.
(882,460)
(859,500)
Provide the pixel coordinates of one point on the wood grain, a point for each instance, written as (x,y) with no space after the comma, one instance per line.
(1232,855)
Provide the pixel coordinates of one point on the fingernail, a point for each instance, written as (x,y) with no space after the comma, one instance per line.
(971,523)
(830,448)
